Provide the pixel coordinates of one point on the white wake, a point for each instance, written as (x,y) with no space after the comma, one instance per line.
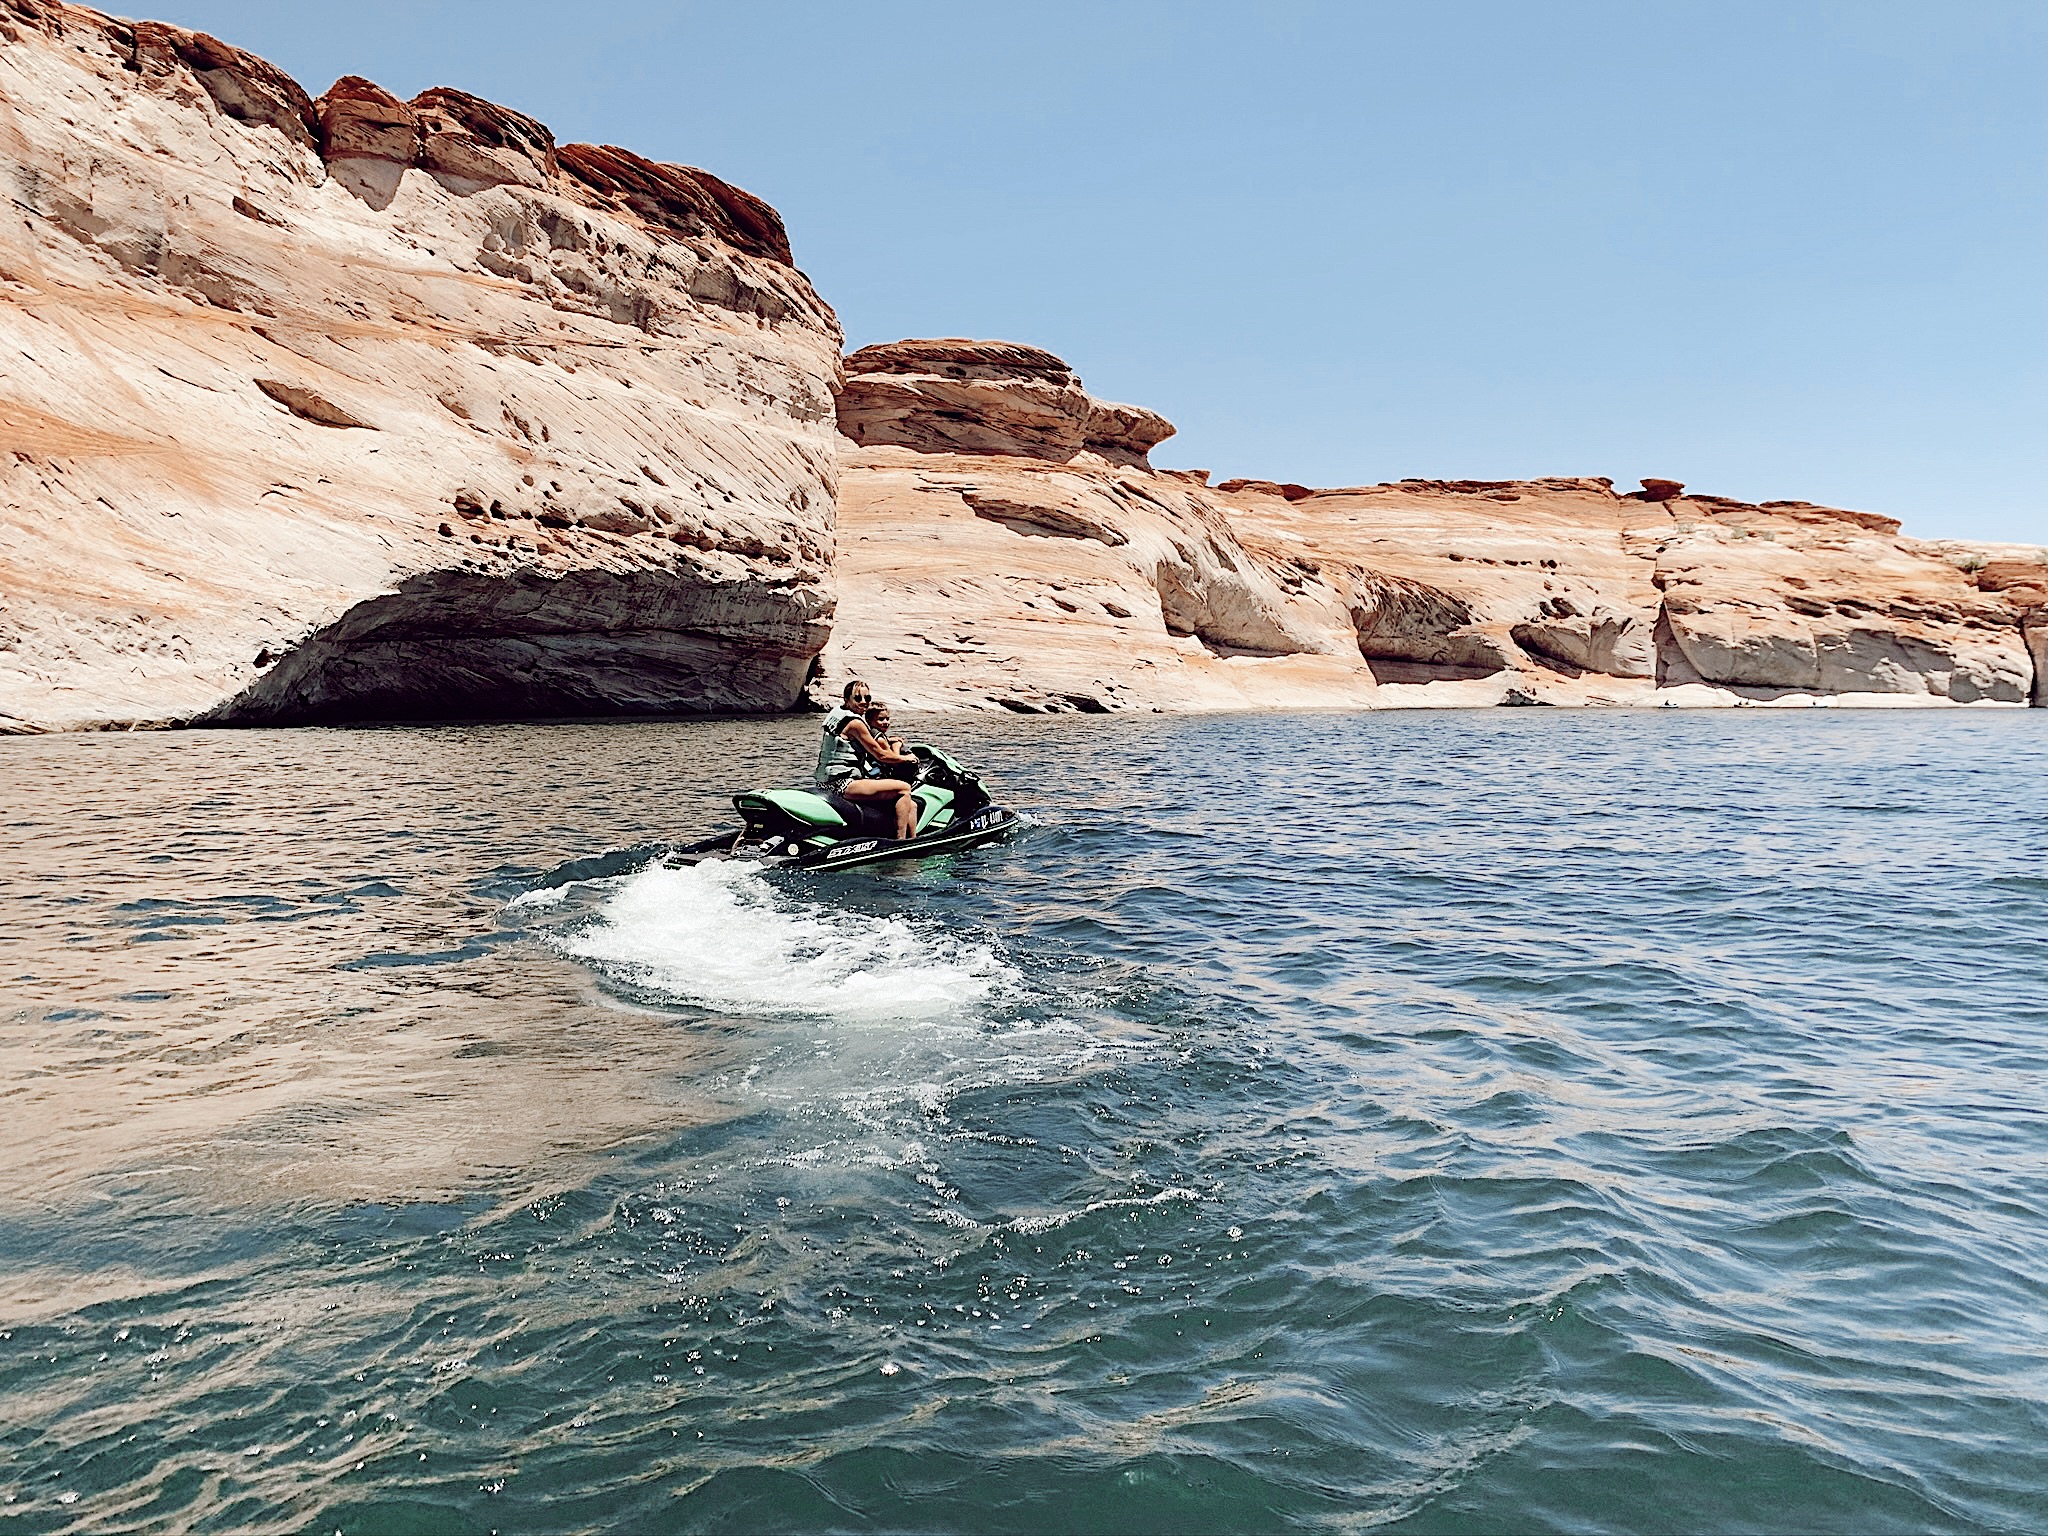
(718,935)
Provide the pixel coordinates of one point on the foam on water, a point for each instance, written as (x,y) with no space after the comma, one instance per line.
(1031,1226)
(718,935)
(540,899)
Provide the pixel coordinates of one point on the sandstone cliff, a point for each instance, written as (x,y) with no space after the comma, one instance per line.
(360,406)
(1000,546)
(1004,540)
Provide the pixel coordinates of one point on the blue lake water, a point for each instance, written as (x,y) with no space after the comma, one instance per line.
(1476,1121)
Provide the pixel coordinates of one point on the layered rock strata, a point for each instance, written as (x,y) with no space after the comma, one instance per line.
(1005,541)
(993,553)
(1564,589)
(365,407)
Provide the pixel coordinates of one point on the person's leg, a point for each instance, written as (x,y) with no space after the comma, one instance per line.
(863,790)
(874,789)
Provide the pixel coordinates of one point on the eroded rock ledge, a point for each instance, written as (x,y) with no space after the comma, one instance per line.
(998,551)
(347,407)
(956,396)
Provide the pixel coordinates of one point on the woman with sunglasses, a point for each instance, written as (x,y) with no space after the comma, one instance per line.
(848,746)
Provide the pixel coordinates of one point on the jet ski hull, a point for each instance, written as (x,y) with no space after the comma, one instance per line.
(983,826)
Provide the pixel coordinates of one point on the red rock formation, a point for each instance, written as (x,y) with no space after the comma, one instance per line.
(1775,601)
(2023,582)
(1026,583)
(168,59)
(675,199)
(959,396)
(370,406)
(1124,434)
(1287,491)
(369,138)
(1805,599)
(360,120)
(473,143)
(2021,579)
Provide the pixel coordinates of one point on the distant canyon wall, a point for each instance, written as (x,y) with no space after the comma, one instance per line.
(351,407)
(357,407)
(999,545)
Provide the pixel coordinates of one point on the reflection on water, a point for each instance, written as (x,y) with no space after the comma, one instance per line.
(280,960)
(1483,1121)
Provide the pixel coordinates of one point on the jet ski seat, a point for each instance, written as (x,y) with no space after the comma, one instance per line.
(802,814)
(798,804)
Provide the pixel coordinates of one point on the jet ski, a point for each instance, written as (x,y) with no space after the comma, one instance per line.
(807,830)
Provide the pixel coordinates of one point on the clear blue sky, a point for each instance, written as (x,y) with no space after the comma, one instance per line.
(1773,248)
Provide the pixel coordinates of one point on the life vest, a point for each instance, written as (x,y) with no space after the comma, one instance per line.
(838,758)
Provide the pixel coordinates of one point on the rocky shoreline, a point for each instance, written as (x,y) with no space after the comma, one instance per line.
(350,407)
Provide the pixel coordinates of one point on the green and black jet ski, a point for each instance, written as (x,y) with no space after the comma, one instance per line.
(809,830)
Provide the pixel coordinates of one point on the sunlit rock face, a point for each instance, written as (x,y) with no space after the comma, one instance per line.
(1004,542)
(1562,588)
(1027,584)
(993,554)
(1788,597)
(356,407)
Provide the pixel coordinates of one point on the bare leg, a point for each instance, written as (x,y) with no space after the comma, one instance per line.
(878,789)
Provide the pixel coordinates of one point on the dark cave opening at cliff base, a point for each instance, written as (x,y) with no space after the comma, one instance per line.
(1386,669)
(516,677)
(584,646)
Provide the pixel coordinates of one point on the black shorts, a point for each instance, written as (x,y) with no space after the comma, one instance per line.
(876,817)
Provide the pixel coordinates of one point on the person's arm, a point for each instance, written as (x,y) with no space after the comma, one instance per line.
(880,751)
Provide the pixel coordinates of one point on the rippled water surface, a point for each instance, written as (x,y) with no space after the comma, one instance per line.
(1506,1120)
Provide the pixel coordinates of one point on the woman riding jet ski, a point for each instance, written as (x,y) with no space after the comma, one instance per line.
(849,750)
(931,805)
